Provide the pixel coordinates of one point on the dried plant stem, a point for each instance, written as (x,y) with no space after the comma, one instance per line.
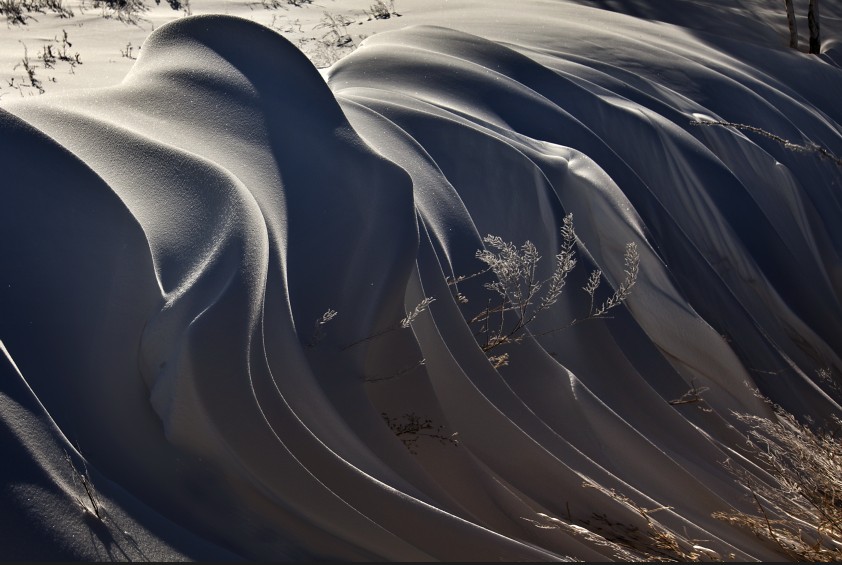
(791,145)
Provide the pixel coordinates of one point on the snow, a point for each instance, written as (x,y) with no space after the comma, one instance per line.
(173,227)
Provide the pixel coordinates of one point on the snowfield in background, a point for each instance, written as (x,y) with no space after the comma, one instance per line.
(213,250)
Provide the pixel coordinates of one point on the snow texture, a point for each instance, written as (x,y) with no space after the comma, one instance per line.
(168,244)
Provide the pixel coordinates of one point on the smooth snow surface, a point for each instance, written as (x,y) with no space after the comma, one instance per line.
(169,243)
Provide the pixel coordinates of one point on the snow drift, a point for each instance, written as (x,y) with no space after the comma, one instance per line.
(169,244)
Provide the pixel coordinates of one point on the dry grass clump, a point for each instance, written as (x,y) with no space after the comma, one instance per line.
(799,508)
(382,10)
(131,11)
(518,296)
(19,12)
(654,542)
(52,53)
(797,497)
(411,427)
(127,11)
(628,542)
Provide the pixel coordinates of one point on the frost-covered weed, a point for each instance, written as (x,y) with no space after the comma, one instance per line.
(800,509)
(519,296)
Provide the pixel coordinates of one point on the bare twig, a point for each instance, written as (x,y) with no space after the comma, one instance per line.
(791,145)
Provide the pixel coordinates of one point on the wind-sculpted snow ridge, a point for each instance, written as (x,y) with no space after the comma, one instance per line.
(169,243)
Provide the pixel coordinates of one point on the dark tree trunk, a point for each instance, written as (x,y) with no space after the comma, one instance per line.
(813,23)
(793,28)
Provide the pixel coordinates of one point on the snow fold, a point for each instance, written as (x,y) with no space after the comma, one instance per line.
(169,244)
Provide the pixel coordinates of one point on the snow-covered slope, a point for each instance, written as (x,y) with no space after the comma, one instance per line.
(170,243)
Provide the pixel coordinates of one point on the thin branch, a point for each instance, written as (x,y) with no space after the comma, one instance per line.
(791,145)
